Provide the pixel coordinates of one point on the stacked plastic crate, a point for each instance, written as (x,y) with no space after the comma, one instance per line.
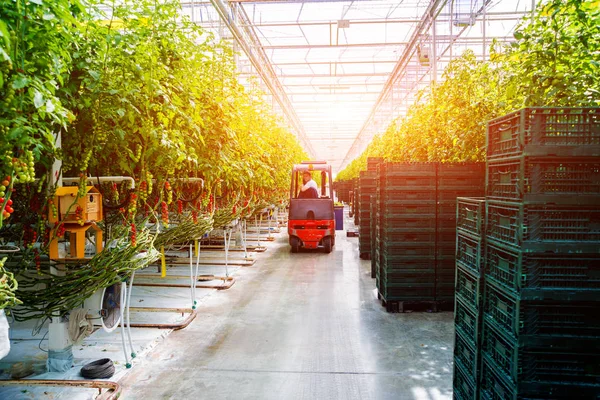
(355,197)
(342,190)
(541,331)
(470,241)
(374,235)
(406,234)
(453,180)
(367,185)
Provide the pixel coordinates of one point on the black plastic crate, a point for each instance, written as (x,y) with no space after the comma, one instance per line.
(515,270)
(444,290)
(425,249)
(464,387)
(576,319)
(373,162)
(545,131)
(410,236)
(470,215)
(446,237)
(467,322)
(492,385)
(408,194)
(518,225)
(407,276)
(467,182)
(450,195)
(445,250)
(469,253)
(408,262)
(476,170)
(365,175)
(409,169)
(544,364)
(446,266)
(400,182)
(374,235)
(406,291)
(544,180)
(415,224)
(468,288)
(447,208)
(446,279)
(400,207)
(447,222)
(465,356)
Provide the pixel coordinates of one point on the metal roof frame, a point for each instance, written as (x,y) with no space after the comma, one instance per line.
(320,60)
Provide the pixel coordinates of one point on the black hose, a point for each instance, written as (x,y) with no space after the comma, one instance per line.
(100,369)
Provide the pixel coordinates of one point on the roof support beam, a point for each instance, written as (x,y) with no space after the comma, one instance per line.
(251,46)
(426,21)
(491,16)
(331,46)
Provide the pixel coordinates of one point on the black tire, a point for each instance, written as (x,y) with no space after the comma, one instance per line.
(327,244)
(295,243)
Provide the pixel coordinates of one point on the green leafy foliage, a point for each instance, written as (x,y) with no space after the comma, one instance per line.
(34,60)
(136,90)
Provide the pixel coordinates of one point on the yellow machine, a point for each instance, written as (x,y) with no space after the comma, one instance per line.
(77,218)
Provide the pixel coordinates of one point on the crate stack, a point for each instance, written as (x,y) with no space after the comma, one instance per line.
(541,331)
(406,234)
(375,216)
(454,180)
(470,245)
(367,187)
(367,184)
(355,197)
(342,190)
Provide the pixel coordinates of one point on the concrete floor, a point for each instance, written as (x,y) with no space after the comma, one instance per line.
(301,326)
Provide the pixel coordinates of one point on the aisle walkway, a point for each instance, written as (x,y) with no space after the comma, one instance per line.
(301,326)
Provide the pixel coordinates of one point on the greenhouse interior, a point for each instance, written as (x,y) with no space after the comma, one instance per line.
(300,199)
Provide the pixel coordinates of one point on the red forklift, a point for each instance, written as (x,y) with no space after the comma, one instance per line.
(311,221)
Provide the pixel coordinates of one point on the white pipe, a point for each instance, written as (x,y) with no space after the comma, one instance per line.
(93,179)
(196,274)
(123,328)
(245,237)
(127,305)
(192,286)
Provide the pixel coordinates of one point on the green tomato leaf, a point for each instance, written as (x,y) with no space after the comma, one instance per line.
(20,82)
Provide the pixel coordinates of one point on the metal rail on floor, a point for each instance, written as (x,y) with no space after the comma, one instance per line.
(113,388)
(202,278)
(175,326)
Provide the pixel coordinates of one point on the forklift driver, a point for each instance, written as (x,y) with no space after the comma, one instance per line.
(309,190)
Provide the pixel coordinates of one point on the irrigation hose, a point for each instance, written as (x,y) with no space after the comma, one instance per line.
(99,369)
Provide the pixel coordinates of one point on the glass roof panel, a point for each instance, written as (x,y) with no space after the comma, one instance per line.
(334,60)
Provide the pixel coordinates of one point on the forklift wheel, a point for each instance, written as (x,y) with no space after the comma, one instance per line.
(327,244)
(295,243)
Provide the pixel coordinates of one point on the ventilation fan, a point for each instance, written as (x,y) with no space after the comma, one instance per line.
(104,307)
(108,308)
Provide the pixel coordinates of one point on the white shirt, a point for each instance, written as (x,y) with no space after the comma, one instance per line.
(310,184)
